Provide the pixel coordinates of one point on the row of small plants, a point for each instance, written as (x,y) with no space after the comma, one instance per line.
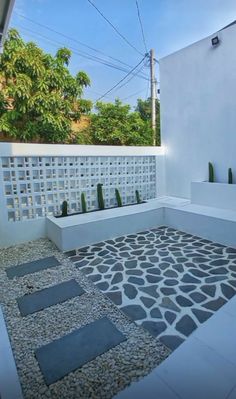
(101,203)
(212,174)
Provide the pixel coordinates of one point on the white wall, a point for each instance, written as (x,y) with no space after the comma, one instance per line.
(198,112)
(36,178)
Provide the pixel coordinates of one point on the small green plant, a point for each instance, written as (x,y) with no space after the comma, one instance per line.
(118,198)
(138,199)
(230,176)
(64,209)
(83,203)
(101,204)
(211,172)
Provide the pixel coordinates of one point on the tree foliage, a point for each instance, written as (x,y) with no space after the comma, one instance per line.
(115,124)
(144,109)
(39,98)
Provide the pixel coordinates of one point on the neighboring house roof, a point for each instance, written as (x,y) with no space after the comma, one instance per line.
(6,7)
(227,26)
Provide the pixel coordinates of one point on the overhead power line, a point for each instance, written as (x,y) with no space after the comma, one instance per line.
(141,26)
(115,29)
(82,53)
(132,95)
(72,38)
(120,81)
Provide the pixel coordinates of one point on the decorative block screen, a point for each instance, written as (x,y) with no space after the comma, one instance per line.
(35,187)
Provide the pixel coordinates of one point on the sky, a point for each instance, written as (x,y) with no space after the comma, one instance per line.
(168,25)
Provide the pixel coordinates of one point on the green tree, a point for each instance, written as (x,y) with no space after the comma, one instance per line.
(39,98)
(144,109)
(115,124)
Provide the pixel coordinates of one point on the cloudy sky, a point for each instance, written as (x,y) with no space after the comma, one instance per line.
(169,25)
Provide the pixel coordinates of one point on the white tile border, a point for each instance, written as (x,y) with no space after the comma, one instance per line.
(9,382)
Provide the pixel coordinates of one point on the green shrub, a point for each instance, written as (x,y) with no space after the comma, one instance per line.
(64,209)
(138,199)
(230,176)
(100,196)
(211,172)
(118,198)
(83,203)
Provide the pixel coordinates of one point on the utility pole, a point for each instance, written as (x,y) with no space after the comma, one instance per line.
(153,94)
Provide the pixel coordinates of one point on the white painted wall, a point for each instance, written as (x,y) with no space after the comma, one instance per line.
(27,224)
(198,112)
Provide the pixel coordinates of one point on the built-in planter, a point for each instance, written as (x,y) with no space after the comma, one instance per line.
(219,195)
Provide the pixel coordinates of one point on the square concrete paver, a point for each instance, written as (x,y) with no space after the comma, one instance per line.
(32,267)
(42,299)
(66,354)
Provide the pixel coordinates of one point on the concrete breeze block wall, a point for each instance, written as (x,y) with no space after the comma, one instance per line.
(35,179)
(198,118)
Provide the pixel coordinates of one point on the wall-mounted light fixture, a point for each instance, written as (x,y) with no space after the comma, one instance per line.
(215,41)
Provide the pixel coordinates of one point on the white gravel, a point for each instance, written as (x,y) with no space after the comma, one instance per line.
(101,378)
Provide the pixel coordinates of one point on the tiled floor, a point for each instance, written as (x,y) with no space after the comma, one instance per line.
(165,280)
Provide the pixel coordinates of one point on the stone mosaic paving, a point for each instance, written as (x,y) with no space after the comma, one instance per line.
(167,281)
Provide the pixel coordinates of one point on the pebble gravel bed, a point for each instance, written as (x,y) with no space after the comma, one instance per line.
(102,377)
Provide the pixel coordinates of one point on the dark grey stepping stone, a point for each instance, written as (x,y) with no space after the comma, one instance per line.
(115,297)
(124,254)
(227,291)
(151,290)
(187,278)
(163,265)
(107,276)
(148,302)
(154,328)
(171,341)
(154,270)
(131,264)
(72,351)
(32,267)
(87,270)
(103,269)
(201,260)
(136,280)
(169,259)
(134,312)
(197,297)
(170,282)
(82,263)
(186,325)
(156,314)
(153,279)
(170,273)
(219,270)
(95,277)
(179,268)
(209,289)
(130,291)
(215,304)
(233,268)
(70,253)
(168,291)
(215,279)
(163,253)
(198,273)
(137,252)
(183,301)
(103,252)
(110,261)
(118,277)
(201,315)
(232,282)
(42,299)
(103,286)
(96,262)
(204,266)
(170,316)
(219,262)
(111,249)
(231,250)
(142,258)
(169,304)
(153,259)
(132,272)
(145,265)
